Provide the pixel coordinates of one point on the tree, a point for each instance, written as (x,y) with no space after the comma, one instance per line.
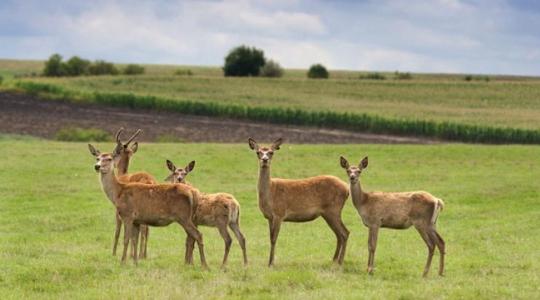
(77,66)
(244,61)
(54,66)
(133,69)
(271,69)
(317,71)
(101,67)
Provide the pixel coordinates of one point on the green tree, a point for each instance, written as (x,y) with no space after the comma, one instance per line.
(318,71)
(244,61)
(54,66)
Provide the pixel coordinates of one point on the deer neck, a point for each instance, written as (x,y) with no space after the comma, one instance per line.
(358,196)
(263,188)
(110,185)
(123,166)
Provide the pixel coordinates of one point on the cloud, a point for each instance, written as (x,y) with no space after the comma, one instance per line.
(426,36)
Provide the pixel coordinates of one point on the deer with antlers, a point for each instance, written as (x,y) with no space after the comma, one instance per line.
(147,204)
(300,200)
(396,211)
(122,165)
(214,210)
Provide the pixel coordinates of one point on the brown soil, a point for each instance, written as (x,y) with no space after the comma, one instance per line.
(29,115)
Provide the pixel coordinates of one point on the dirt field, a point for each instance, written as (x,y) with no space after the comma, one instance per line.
(29,115)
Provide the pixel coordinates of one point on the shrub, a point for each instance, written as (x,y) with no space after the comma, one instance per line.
(101,67)
(76,134)
(183,72)
(317,71)
(244,61)
(55,67)
(468,78)
(133,69)
(479,78)
(1,79)
(271,69)
(76,66)
(402,76)
(373,76)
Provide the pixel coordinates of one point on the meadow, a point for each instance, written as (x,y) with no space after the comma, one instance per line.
(57,226)
(503,101)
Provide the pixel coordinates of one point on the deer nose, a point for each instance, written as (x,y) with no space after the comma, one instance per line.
(96,167)
(265,159)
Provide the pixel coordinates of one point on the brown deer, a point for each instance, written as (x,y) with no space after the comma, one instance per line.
(147,204)
(214,210)
(300,200)
(122,166)
(396,211)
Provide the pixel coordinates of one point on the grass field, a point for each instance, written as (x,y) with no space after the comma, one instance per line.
(57,226)
(502,102)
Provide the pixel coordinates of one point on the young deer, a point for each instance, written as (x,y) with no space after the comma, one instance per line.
(397,211)
(122,166)
(300,200)
(214,210)
(147,204)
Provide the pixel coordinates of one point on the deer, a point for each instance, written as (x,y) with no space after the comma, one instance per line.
(147,204)
(299,200)
(213,210)
(398,210)
(122,165)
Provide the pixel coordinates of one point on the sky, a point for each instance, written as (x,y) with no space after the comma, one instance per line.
(437,36)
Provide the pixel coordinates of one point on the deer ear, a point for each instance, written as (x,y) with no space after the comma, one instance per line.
(277,143)
(93,150)
(171,166)
(191,166)
(252,144)
(344,163)
(170,178)
(364,163)
(135,147)
(118,149)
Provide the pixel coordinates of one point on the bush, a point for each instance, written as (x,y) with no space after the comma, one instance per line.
(402,76)
(317,71)
(468,78)
(76,66)
(373,76)
(54,67)
(1,79)
(101,67)
(271,69)
(479,78)
(133,69)
(244,61)
(82,135)
(183,72)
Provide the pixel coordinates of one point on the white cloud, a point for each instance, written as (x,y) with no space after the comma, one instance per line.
(427,36)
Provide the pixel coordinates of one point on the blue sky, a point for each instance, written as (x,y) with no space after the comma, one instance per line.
(447,36)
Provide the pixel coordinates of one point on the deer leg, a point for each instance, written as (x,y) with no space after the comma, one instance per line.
(143,229)
(342,234)
(135,241)
(190,245)
(372,246)
(197,236)
(146,233)
(439,242)
(431,248)
(127,234)
(275,225)
(241,240)
(116,232)
(228,241)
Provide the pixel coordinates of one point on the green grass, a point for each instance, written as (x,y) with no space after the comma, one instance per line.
(57,227)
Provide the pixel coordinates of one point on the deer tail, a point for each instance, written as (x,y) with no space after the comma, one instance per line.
(439,205)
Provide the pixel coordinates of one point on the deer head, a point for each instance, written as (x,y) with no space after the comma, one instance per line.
(104,161)
(353,172)
(179,175)
(264,154)
(124,147)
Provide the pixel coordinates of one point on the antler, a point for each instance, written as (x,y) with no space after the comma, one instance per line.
(133,136)
(118,135)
